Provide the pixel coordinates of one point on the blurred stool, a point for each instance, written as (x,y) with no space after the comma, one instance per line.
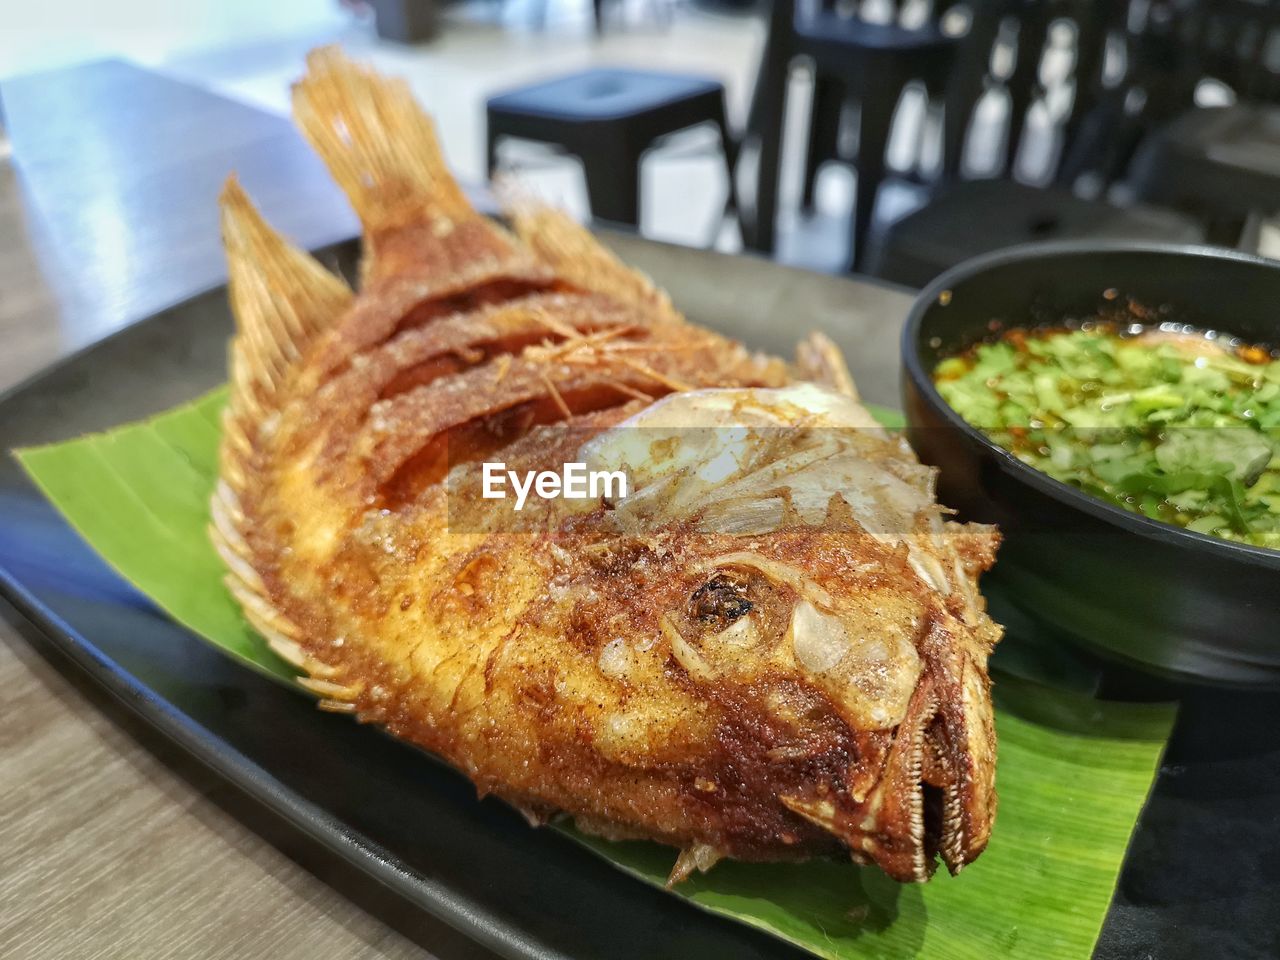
(608,118)
(984,215)
(1221,164)
(874,63)
(869,63)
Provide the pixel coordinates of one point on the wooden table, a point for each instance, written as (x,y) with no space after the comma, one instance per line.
(114,843)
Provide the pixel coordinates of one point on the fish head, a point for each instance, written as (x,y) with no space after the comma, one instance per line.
(808,579)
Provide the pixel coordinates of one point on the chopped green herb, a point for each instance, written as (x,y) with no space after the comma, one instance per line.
(1178,427)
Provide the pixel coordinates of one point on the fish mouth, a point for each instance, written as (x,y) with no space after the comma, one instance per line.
(934,799)
(932,806)
(900,825)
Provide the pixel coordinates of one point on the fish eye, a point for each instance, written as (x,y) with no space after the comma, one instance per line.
(719,602)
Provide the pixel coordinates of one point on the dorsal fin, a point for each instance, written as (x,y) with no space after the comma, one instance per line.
(282,299)
(818,359)
(570,249)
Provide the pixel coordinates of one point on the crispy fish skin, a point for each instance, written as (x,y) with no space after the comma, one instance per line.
(784,661)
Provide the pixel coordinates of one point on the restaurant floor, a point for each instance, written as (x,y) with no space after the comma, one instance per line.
(251,51)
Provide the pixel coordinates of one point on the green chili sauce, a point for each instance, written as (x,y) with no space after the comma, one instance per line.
(1179,425)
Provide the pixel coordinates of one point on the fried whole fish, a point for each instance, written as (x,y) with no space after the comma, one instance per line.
(772,648)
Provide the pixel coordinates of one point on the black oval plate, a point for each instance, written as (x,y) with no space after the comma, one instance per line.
(1210,831)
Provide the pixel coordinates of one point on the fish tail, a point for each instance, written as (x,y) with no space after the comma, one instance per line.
(378,144)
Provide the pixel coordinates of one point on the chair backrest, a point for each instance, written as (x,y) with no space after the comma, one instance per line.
(905,12)
(1168,48)
(1176,44)
(1046,55)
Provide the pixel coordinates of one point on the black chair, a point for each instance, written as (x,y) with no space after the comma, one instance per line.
(827,108)
(966,217)
(597,14)
(608,118)
(869,63)
(1221,164)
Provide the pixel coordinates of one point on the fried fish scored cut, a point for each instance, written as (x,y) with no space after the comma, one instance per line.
(772,648)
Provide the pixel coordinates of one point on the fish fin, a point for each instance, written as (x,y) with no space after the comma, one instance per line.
(820,360)
(536,815)
(282,299)
(697,856)
(578,257)
(378,143)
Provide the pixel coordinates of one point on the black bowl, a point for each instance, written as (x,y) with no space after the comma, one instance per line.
(1170,601)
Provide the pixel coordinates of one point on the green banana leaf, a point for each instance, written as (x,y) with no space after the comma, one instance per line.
(1073,772)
